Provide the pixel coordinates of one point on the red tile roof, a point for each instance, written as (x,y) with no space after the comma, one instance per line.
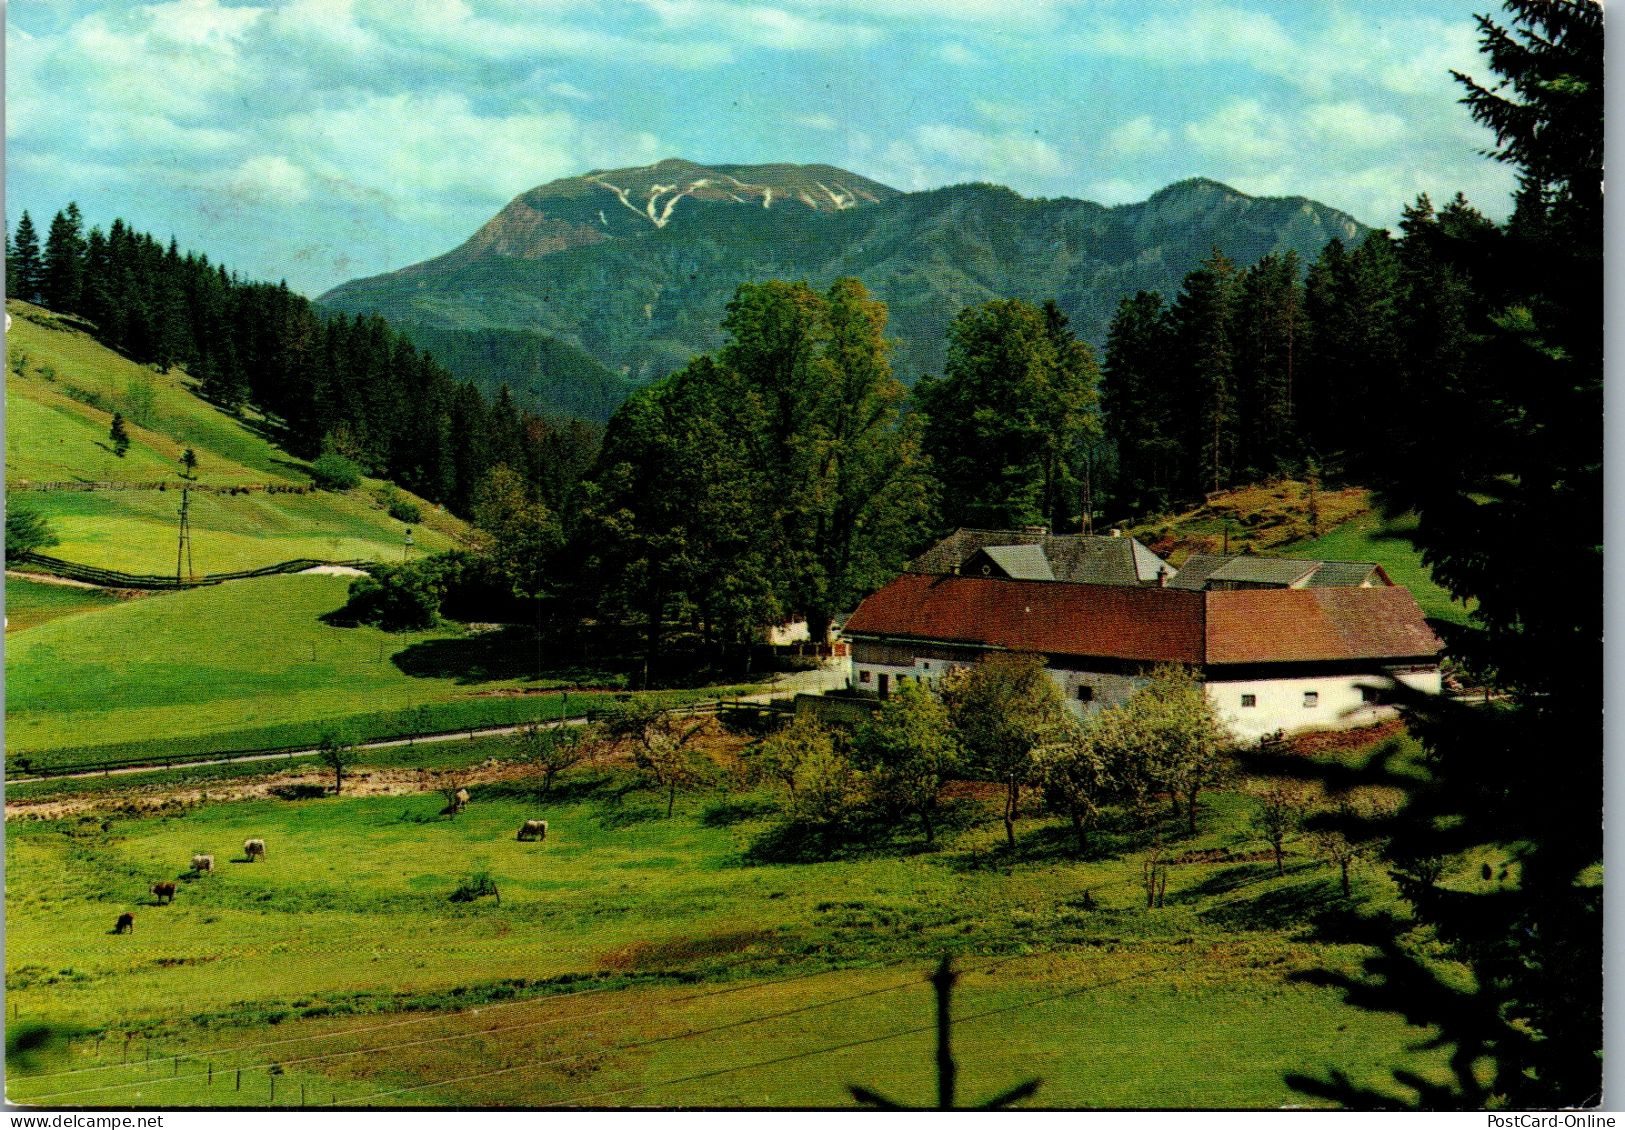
(1109,621)
(1299,625)
(1148,624)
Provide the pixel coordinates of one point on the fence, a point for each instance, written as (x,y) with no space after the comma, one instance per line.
(90,574)
(165,485)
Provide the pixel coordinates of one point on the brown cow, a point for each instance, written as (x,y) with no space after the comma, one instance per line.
(125,924)
(164,892)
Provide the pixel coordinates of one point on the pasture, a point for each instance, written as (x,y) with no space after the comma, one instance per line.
(31,603)
(239,665)
(636,960)
(59,407)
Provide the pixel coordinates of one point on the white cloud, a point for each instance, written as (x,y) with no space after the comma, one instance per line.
(816,121)
(1118,190)
(1134,139)
(958,55)
(943,154)
(570,91)
(1001,113)
(269,178)
(1351,125)
(1242,130)
(762,25)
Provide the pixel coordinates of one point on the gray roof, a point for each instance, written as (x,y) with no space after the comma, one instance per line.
(1021,562)
(1195,572)
(1284,571)
(1076,558)
(1210,571)
(1344,574)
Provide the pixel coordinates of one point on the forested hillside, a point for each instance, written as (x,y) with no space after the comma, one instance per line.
(323,385)
(571,261)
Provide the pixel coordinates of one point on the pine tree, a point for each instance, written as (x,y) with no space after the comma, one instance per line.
(1505,477)
(1270,336)
(1203,321)
(119,435)
(24,267)
(62,281)
(1139,411)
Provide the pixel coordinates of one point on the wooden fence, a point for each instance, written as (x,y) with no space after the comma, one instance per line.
(110,578)
(166,485)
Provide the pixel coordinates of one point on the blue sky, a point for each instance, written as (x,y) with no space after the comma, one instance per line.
(318,140)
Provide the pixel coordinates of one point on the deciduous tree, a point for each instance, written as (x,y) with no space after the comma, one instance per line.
(1005,708)
(909,751)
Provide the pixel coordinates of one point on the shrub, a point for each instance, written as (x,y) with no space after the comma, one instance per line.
(332,471)
(405,510)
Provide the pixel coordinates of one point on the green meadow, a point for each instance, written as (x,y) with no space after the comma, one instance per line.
(633,960)
(1369,537)
(59,409)
(245,664)
(31,603)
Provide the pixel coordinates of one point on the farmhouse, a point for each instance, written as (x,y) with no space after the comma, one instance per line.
(1211,572)
(1273,658)
(1035,554)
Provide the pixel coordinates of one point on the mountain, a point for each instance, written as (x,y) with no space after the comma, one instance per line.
(634,267)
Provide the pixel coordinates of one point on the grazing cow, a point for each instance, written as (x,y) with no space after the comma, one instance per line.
(533,830)
(164,892)
(254,849)
(462,797)
(202,863)
(125,924)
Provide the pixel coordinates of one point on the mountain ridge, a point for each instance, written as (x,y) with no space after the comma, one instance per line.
(634,267)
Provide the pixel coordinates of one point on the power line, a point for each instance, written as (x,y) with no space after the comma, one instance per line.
(431,1040)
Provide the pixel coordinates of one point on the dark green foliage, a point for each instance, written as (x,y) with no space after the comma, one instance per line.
(1140,415)
(26,529)
(1006,423)
(909,752)
(405,510)
(118,435)
(776,478)
(62,276)
(1508,438)
(314,375)
(24,269)
(332,471)
(405,597)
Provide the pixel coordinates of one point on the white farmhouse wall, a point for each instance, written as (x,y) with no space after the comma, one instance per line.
(1281,703)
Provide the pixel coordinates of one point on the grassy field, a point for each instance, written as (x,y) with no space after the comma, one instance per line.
(250,661)
(1368,537)
(1272,519)
(638,960)
(59,408)
(31,603)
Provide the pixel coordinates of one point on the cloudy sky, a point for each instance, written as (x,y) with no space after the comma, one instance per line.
(318,140)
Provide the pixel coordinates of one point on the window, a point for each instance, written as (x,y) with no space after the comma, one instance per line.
(1086,693)
(928,665)
(1249,700)
(863,676)
(1370,695)
(1311,699)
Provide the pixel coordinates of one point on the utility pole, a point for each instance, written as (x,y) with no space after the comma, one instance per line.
(183,550)
(406,548)
(947,1071)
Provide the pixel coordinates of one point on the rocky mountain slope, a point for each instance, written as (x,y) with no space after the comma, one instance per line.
(634,267)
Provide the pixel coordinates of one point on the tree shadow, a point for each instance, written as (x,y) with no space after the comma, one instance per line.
(509,653)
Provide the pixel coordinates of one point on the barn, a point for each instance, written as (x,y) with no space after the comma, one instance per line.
(1274,657)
